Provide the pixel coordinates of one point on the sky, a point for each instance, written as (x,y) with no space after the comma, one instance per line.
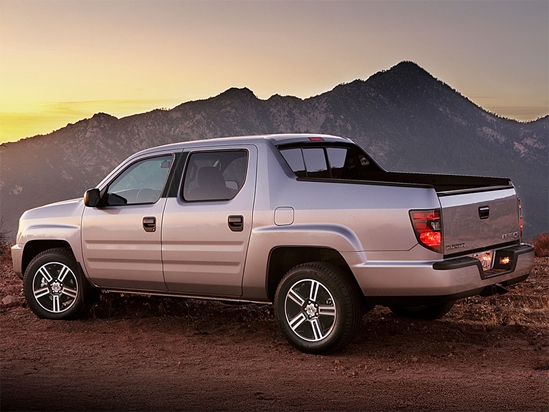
(63,61)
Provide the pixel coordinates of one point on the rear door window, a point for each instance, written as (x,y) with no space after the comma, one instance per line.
(215,175)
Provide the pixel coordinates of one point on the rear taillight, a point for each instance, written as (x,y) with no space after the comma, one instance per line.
(428,228)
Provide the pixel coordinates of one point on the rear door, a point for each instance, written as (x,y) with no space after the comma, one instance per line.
(206,228)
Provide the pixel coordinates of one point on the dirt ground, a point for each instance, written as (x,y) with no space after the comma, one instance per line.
(136,353)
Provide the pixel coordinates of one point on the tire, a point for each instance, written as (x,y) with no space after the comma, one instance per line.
(427,312)
(318,308)
(55,288)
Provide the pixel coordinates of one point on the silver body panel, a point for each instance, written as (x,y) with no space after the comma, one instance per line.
(201,254)
(117,252)
(465,230)
(194,252)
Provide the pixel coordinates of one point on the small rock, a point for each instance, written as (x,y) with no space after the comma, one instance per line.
(10,301)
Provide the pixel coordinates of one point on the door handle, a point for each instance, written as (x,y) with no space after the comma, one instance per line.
(484,212)
(149,224)
(236,223)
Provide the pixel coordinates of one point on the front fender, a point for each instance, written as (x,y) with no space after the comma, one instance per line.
(35,239)
(47,227)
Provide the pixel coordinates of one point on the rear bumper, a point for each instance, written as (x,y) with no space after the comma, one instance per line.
(511,253)
(449,279)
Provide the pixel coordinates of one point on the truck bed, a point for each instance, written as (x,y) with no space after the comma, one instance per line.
(478,213)
(443,184)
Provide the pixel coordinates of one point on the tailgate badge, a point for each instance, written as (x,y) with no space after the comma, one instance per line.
(512,235)
(455,246)
(484,212)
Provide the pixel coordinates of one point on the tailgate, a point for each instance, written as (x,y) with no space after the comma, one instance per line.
(479,220)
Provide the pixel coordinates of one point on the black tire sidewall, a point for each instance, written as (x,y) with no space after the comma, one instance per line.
(346,302)
(60,256)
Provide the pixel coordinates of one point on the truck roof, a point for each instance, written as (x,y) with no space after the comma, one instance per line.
(277,139)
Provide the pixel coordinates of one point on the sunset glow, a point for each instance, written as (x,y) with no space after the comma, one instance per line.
(63,61)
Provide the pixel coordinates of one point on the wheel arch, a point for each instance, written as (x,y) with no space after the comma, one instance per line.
(34,247)
(283,258)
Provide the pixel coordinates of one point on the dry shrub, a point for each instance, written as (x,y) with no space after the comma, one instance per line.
(541,245)
(5,245)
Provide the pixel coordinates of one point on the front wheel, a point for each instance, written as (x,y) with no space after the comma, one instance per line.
(318,307)
(55,288)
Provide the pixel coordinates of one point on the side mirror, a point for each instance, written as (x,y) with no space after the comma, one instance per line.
(116,200)
(92,198)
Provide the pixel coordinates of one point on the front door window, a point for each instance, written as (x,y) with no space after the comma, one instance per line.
(141,183)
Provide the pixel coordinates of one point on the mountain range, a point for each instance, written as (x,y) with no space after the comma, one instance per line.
(404,117)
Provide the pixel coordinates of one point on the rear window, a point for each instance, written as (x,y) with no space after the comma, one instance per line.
(328,162)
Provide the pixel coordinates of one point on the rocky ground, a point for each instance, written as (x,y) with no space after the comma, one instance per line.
(146,353)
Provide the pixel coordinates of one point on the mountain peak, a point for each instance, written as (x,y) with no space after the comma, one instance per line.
(237,93)
(408,66)
(103,116)
(405,71)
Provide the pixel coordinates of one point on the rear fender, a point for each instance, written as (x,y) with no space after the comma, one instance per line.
(338,239)
(332,236)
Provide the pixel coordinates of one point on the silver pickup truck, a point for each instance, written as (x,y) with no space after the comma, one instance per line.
(308,222)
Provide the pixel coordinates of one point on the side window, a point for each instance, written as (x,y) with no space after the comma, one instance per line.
(140,183)
(315,161)
(294,158)
(215,175)
(337,157)
(337,162)
(307,161)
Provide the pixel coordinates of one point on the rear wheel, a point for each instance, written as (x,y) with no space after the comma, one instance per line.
(318,307)
(55,288)
(428,312)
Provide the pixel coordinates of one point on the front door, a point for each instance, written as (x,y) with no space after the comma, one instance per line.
(121,237)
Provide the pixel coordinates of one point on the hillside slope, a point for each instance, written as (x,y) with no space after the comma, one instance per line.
(404,117)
